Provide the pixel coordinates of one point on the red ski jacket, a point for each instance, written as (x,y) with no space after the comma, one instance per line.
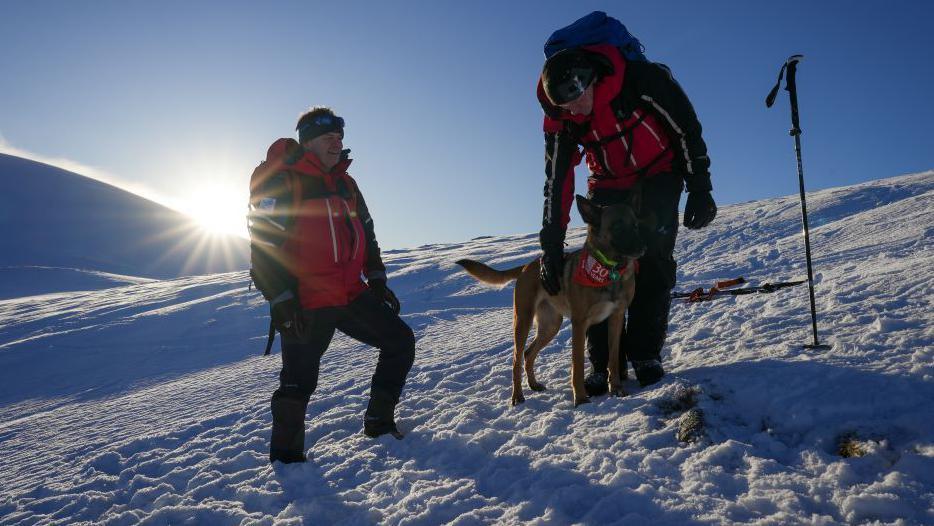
(330,243)
(642,124)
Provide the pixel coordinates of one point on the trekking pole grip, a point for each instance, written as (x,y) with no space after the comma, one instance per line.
(792,88)
(792,66)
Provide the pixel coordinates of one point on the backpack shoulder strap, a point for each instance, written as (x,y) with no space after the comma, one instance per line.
(295,186)
(271,338)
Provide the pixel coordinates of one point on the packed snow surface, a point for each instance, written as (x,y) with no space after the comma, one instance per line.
(147,402)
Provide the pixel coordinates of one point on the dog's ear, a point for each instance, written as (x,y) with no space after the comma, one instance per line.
(589,211)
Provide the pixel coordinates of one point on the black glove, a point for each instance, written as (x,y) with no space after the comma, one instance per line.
(699,210)
(384,294)
(552,268)
(287,316)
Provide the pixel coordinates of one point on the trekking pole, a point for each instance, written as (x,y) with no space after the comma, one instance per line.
(792,66)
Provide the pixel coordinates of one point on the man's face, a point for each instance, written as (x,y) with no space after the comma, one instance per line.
(582,105)
(327,148)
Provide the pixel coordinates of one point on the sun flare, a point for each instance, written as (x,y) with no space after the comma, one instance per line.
(218,210)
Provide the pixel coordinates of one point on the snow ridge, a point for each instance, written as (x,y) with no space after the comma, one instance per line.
(61,230)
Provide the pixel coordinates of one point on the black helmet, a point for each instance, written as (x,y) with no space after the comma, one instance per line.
(567,74)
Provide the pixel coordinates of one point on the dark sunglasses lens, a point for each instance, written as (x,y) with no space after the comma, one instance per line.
(569,92)
(578,80)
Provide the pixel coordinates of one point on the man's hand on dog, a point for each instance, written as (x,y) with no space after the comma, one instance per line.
(552,267)
(699,210)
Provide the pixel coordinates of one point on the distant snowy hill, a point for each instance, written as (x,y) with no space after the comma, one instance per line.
(149,403)
(59,226)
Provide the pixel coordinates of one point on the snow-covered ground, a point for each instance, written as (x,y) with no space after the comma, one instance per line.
(148,402)
(28,280)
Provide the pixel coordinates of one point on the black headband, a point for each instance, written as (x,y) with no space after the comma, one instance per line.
(319,126)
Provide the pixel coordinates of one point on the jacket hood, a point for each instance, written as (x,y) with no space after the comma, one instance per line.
(311,165)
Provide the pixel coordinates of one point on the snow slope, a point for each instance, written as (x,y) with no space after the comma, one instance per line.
(148,403)
(28,280)
(75,228)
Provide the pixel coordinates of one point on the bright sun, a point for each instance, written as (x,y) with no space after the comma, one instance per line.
(218,209)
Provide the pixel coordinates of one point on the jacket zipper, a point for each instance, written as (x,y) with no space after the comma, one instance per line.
(353,228)
(331,224)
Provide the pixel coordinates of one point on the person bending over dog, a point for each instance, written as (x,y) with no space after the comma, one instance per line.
(634,123)
(319,238)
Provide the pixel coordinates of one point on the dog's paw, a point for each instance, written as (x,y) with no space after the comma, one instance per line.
(517,399)
(536,386)
(581,401)
(617,391)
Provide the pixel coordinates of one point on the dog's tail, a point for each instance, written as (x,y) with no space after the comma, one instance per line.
(490,275)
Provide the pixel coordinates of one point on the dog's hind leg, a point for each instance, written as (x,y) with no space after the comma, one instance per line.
(548,323)
(614,330)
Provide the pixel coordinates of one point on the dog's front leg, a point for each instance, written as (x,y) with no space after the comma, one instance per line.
(517,396)
(522,324)
(614,331)
(578,335)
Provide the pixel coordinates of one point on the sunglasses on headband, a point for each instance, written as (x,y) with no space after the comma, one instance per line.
(328,120)
(331,122)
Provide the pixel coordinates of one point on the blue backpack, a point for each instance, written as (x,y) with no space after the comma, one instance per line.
(596,28)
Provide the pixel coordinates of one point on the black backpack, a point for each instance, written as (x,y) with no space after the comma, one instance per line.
(270,220)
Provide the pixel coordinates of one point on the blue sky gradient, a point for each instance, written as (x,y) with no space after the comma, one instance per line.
(183,98)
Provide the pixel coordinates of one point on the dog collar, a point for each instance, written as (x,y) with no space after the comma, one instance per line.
(605,261)
(594,269)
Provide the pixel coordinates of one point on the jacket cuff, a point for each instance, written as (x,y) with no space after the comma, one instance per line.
(698,183)
(551,238)
(376,274)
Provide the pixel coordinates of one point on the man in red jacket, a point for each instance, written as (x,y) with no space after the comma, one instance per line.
(634,123)
(327,245)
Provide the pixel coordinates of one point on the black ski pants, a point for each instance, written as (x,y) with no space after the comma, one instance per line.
(647,316)
(366,319)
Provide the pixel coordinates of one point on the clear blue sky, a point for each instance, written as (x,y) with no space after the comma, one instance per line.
(184,97)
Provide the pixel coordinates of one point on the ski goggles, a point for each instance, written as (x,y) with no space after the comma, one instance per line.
(319,126)
(571,87)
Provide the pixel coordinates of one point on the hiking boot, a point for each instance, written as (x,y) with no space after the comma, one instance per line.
(648,372)
(379,419)
(597,383)
(286,457)
(287,443)
(374,427)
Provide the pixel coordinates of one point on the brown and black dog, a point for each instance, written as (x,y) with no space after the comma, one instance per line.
(598,282)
